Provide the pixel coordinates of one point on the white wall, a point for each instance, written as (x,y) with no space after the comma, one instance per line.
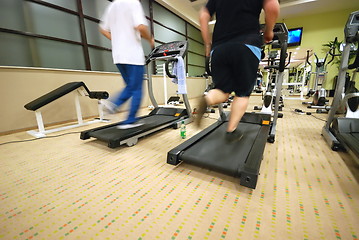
(19,86)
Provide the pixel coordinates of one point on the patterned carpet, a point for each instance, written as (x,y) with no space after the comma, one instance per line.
(66,188)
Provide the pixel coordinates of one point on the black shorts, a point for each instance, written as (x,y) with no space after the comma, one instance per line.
(234,68)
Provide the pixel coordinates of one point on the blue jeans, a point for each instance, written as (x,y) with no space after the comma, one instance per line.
(133,77)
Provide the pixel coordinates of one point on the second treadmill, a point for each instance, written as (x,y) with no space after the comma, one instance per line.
(160,117)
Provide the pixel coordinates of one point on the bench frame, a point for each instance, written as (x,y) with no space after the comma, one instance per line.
(80,91)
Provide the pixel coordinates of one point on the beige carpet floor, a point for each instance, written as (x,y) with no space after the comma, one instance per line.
(67,188)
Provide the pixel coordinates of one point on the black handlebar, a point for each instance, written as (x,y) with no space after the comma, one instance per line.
(169,74)
(98,95)
(289,57)
(355,64)
(352,39)
(307,59)
(331,60)
(331,52)
(208,65)
(283,55)
(318,63)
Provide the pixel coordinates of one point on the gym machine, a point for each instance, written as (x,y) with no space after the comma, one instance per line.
(343,132)
(160,117)
(239,159)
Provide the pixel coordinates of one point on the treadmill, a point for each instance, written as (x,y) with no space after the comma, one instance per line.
(343,132)
(241,159)
(160,117)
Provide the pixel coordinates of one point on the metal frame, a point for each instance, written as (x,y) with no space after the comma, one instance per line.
(150,86)
(351,35)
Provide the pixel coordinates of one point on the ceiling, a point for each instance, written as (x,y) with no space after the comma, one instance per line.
(188,9)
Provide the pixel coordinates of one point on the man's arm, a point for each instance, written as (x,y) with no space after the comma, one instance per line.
(105,33)
(204,19)
(146,34)
(271,10)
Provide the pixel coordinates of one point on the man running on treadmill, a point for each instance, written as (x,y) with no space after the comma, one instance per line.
(124,23)
(235,53)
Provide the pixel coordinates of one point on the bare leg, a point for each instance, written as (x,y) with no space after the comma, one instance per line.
(216,96)
(238,108)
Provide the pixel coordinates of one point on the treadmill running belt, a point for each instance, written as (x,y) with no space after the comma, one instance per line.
(115,134)
(213,152)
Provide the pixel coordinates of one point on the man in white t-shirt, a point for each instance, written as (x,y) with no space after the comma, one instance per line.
(124,23)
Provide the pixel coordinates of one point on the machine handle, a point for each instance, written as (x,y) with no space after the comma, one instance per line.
(272,67)
(290,56)
(316,57)
(332,50)
(331,60)
(318,63)
(283,55)
(98,95)
(169,74)
(207,65)
(355,64)
(149,57)
(307,59)
(353,38)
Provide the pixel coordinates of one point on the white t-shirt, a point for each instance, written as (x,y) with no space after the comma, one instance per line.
(121,18)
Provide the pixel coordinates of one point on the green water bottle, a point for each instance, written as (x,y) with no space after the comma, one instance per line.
(183,130)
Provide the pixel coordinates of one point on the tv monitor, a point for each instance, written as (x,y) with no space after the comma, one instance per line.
(295,36)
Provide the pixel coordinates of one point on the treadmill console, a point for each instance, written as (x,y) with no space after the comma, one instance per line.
(351,32)
(352,28)
(280,40)
(168,51)
(280,31)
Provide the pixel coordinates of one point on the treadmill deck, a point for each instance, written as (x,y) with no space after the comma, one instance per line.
(210,150)
(213,152)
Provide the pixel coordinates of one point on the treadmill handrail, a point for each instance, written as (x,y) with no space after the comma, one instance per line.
(281,38)
(167,58)
(169,74)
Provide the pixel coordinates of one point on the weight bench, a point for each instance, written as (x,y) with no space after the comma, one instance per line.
(81,90)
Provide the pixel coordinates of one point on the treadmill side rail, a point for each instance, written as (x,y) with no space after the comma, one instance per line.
(173,156)
(331,139)
(87,133)
(248,180)
(250,171)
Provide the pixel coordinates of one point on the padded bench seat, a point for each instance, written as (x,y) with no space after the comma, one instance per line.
(61,91)
(49,97)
